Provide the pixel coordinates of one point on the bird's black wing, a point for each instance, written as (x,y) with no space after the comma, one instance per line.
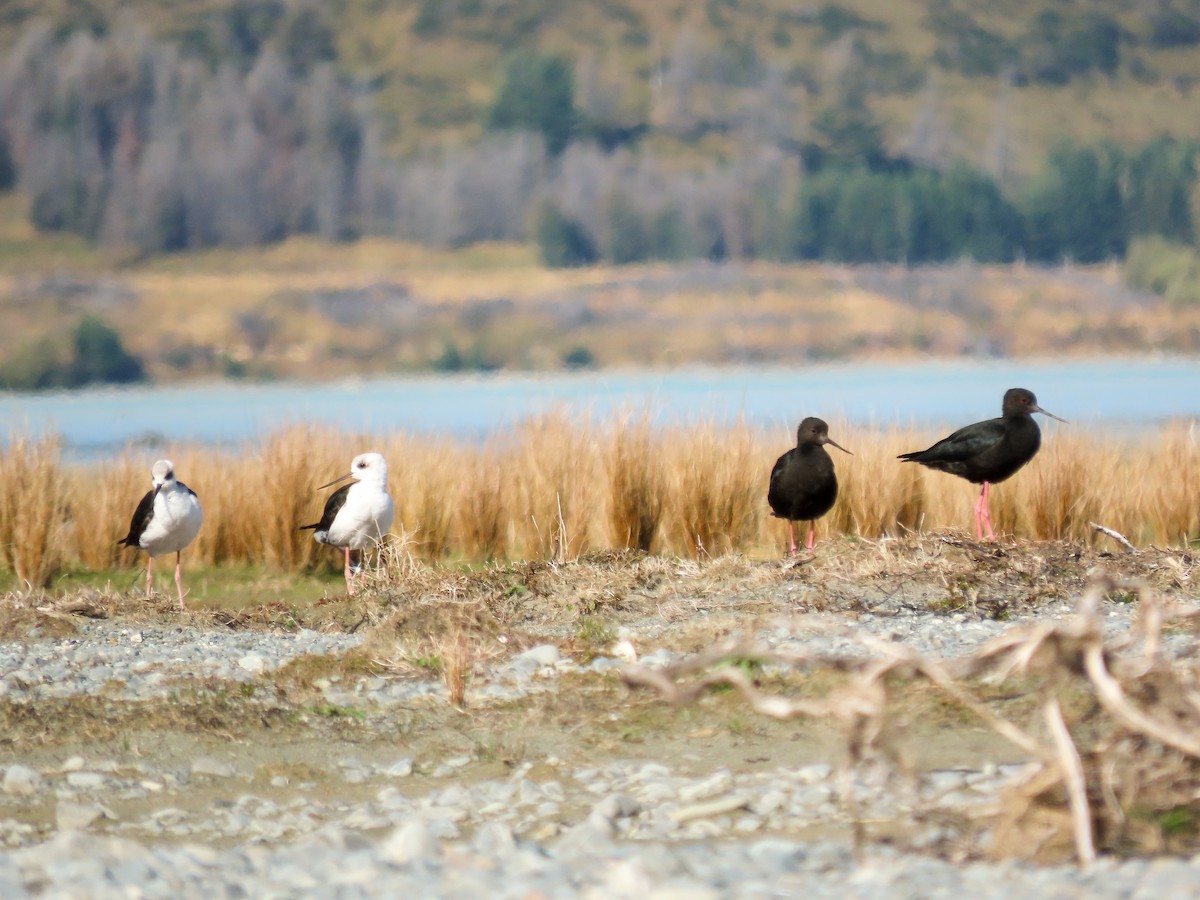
(332,507)
(780,465)
(140,521)
(778,494)
(186,488)
(964,444)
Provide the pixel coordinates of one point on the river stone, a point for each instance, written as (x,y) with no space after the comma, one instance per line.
(87,781)
(76,816)
(22,781)
(206,765)
(495,840)
(717,783)
(254,663)
(410,843)
(401,769)
(541,655)
(617,806)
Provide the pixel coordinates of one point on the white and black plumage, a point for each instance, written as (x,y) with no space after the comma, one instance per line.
(166,521)
(358,515)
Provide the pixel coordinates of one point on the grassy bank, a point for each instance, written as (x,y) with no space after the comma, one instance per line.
(555,487)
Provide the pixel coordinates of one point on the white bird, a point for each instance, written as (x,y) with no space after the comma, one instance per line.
(166,521)
(358,515)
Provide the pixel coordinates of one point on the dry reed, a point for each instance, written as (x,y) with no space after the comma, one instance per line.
(636,475)
(33,511)
(556,486)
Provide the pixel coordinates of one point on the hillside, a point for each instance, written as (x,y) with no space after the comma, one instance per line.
(304,308)
(996,84)
(257,188)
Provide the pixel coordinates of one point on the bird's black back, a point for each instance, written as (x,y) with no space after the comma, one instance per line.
(803,484)
(991,451)
(332,507)
(140,521)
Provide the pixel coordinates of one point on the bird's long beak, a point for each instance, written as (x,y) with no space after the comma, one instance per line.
(829,440)
(1046,412)
(345,477)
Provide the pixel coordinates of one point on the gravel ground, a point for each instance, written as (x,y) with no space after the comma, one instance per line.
(198,824)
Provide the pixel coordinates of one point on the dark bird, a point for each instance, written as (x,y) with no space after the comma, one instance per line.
(166,520)
(988,452)
(803,484)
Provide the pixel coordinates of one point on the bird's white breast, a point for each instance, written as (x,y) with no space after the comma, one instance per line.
(364,518)
(175,523)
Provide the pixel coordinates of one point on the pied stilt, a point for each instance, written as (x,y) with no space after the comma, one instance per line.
(358,515)
(166,521)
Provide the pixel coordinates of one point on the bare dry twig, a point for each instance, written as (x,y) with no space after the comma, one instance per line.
(1059,655)
(1115,535)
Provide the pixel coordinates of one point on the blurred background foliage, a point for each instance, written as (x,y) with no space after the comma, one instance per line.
(614,131)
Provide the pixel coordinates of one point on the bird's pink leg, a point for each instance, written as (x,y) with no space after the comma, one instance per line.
(179,577)
(149,576)
(349,574)
(983,514)
(812,535)
(792,536)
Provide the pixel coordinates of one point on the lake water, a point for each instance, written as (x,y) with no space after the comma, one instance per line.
(1114,393)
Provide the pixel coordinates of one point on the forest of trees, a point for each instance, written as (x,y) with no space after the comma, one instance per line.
(144,145)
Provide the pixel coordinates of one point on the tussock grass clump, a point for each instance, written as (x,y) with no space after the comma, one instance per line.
(717,489)
(33,509)
(483,512)
(559,486)
(112,491)
(636,474)
(556,480)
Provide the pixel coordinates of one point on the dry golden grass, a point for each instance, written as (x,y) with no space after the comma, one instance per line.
(557,486)
(33,509)
(636,475)
(716,494)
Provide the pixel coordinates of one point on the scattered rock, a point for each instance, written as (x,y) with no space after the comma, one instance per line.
(717,807)
(214,768)
(22,781)
(77,816)
(409,844)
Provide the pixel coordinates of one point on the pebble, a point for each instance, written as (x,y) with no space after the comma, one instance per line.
(214,768)
(22,781)
(614,828)
(411,843)
(71,816)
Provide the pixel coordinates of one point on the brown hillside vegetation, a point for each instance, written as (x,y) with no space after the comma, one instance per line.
(380,306)
(952,78)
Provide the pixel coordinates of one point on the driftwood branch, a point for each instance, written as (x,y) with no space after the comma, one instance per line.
(1071,768)
(1115,535)
(1047,651)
